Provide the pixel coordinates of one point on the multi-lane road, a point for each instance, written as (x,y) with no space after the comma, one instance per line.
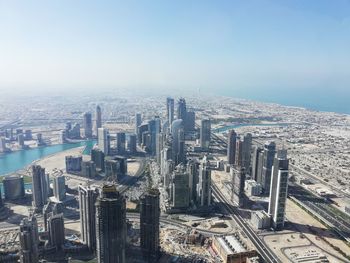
(266,254)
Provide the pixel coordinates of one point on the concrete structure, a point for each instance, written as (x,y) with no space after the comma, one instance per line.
(267,162)
(56,231)
(180,191)
(252,188)
(98,123)
(73,164)
(59,188)
(205,134)
(40,187)
(178,142)
(138,121)
(132,143)
(103,141)
(13,187)
(279,190)
(87,210)
(110,226)
(246,152)
(231,249)
(88,169)
(98,157)
(149,225)
(231,147)
(193,172)
(181,110)
(261,220)
(29,240)
(116,167)
(170,110)
(204,183)
(154,130)
(256,150)
(121,142)
(238,181)
(87,124)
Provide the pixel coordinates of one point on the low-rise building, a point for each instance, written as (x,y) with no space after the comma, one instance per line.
(261,220)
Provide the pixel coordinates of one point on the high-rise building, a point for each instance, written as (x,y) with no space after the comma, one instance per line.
(87,209)
(103,140)
(29,240)
(143,128)
(87,125)
(73,164)
(110,226)
(259,170)
(204,183)
(98,123)
(231,147)
(56,231)
(154,130)
(13,187)
(246,152)
(193,172)
(132,144)
(269,155)
(88,169)
(178,142)
(239,151)
(279,189)
(205,133)
(115,167)
(98,157)
(40,186)
(59,188)
(159,145)
(28,134)
(170,110)
(20,140)
(121,140)
(180,190)
(3,147)
(149,225)
(190,124)
(238,181)
(255,162)
(181,110)
(138,121)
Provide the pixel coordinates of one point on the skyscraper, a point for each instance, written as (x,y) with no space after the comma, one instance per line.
(269,155)
(59,188)
(205,134)
(87,209)
(154,129)
(29,240)
(204,183)
(149,224)
(238,181)
(279,189)
(87,125)
(98,157)
(180,191)
(56,231)
(103,140)
(255,162)
(231,147)
(170,110)
(88,169)
(138,122)
(110,226)
(246,152)
(121,142)
(40,186)
(193,172)
(98,123)
(181,110)
(132,144)
(178,142)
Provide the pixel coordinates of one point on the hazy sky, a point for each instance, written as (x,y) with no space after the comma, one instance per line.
(212,44)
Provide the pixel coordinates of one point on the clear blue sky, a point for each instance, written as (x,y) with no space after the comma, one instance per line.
(255,44)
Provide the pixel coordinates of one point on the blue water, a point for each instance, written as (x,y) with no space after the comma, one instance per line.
(328,99)
(14,161)
(230,127)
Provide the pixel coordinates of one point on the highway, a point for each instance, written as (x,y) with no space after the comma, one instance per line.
(322,209)
(266,254)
